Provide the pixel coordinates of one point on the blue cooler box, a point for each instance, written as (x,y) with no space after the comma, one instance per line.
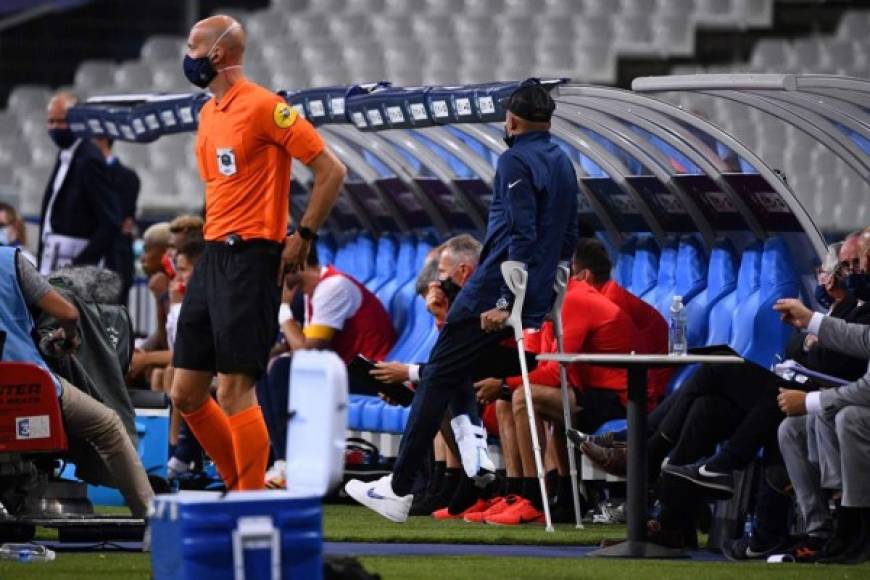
(264,535)
(244,535)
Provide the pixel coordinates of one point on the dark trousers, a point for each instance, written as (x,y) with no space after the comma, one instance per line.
(742,407)
(463,351)
(188,448)
(597,407)
(273,393)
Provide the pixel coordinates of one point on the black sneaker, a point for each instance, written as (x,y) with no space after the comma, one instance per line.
(746,549)
(716,485)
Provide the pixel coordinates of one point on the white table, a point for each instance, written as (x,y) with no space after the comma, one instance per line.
(637,365)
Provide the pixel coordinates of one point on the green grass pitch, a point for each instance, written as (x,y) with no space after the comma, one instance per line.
(352,523)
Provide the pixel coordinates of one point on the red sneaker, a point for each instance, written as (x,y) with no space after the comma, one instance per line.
(444,514)
(496,506)
(521,512)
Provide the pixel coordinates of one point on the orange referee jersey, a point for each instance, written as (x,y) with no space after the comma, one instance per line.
(244,148)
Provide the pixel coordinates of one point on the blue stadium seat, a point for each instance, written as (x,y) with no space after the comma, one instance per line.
(393,418)
(748,287)
(354,411)
(690,277)
(421,354)
(402,305)
(417,330)
(371,414)
(356,256)
(721,281)
(364,257)
(725,314)
(779,279)
(385,263)
(326,249)
(344,250)
(645,266)
(407,244)
(625,262)
(665,280)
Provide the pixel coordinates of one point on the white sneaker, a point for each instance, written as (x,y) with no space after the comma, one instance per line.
(379,497)
(471,440)
(176,467)
(276,477)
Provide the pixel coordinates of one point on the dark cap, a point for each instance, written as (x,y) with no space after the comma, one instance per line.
(532,102)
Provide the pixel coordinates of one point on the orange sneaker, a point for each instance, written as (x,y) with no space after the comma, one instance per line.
(521,512)
(444,514)
(496,506)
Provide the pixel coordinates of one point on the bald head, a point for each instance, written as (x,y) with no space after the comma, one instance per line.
(220,37)
(57,108)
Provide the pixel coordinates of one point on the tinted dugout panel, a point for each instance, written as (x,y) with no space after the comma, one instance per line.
(771,210)
(446,202)
(618,204)
(716,205)
(374,206)
(405,200)
(667,207)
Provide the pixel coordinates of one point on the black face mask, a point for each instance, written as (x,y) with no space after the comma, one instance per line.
(199,71)
(859,286)
(508,138)
(822,297)
(450,288)
(63,138)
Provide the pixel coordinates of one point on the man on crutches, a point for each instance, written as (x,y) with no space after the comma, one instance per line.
(533,221)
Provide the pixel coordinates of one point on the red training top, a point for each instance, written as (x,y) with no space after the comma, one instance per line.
(592,324)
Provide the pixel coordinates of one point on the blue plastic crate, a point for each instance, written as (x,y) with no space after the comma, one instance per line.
(256,535)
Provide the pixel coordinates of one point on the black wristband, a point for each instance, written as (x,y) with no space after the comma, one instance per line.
(306,233)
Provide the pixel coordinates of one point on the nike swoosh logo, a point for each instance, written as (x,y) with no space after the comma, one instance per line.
(373,494)
(703,471)
(511,185)
(750,553)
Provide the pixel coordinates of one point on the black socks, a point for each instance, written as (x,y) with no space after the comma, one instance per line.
(532,492)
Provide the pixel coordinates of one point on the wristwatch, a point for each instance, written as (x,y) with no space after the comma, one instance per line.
(503,304)
(306,233)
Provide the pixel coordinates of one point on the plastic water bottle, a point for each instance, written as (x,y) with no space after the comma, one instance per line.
(26,553)
(677,327)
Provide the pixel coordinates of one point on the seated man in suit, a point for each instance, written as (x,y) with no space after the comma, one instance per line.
(840,420)
(732,403)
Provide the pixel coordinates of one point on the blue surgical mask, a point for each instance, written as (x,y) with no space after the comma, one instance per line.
(822,297)
(200,71)
(6,236)
(859,286)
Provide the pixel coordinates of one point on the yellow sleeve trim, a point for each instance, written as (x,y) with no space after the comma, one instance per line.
(318,332)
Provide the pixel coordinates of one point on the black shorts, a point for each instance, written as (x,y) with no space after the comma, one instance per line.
(229,317)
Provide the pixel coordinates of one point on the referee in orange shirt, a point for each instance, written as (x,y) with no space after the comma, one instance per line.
(246,141)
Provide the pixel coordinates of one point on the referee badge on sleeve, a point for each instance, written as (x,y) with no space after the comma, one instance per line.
(284,115)
(226,160)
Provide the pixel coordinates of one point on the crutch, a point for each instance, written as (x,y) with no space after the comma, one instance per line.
(561,286)
(515,277)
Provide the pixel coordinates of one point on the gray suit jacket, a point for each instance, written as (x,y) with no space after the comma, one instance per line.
(854,340)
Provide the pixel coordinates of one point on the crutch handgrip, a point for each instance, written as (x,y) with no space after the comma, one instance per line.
(561,287)
(516,278)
